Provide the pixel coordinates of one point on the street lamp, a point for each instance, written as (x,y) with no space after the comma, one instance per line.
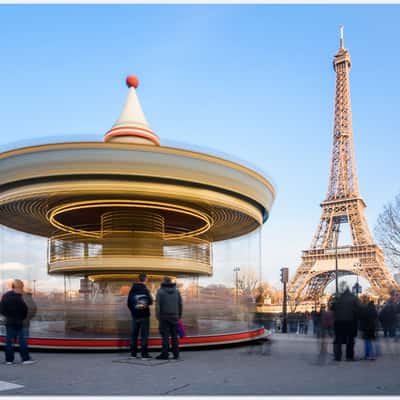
(336,229)
(284,280)
(357,265)
(236,270)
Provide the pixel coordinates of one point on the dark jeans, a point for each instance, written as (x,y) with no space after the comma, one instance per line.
(167,329)
(13,332)
(142,325)
(344,334)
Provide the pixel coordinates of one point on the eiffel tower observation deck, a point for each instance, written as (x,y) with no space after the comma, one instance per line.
(343,205)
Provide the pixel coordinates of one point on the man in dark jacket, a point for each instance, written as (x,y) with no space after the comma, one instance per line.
(13,307)
(139,302)
(346,310)
(168,313)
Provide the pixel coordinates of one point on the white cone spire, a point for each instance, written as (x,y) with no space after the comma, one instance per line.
(131,126)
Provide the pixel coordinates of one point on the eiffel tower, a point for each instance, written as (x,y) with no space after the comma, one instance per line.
(343,205)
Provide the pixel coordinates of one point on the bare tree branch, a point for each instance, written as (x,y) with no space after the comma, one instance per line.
(247,282)
(387,232)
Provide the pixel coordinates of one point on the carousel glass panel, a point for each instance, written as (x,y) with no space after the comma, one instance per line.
(78,306)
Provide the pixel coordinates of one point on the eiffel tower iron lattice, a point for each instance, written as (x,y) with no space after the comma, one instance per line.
(343,205)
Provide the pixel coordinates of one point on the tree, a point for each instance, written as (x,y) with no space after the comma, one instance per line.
(247,282)
(275,295)
(388,232)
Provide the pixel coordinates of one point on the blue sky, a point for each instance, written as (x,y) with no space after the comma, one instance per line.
(253,81)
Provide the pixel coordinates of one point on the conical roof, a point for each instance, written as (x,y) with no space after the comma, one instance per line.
(132,126)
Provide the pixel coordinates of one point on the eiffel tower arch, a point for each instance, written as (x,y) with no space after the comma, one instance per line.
(343,205)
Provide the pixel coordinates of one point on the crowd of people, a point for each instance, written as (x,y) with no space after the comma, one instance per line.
(343,319)
(347,317)
(18,308)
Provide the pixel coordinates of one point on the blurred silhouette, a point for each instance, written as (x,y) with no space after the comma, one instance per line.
(15,310)
(388,316)
(316,321)
(302,324)
(325,318)
(368,327)
(346,308)
(32,309)
(309,330)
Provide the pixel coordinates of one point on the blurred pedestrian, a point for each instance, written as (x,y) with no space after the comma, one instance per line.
(388,316)
(368,327)
(168,313)
(346,308)
(139,302)
(308,324)
(13,307)
(32,309)
(316,317)
(325,327)
(302,323)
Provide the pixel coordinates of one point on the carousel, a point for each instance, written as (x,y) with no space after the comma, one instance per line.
(91,216)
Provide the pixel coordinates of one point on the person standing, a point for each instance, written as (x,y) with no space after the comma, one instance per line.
(368,327)
(388,316)
(325,326)
(139,302)
(13,307)
(345,309)
(168,313)
(316,317)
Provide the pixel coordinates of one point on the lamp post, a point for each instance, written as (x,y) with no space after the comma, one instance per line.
(336,229)
(236,270)
(357,265)
(284,280)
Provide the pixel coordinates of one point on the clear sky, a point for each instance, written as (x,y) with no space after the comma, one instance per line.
(253,81)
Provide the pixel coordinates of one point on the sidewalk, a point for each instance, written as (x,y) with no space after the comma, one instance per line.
(287,366)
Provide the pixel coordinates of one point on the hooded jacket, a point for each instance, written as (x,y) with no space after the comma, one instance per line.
(13,307)
(139,301)
(168,303)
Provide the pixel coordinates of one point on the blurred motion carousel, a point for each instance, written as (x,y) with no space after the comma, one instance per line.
(113,209)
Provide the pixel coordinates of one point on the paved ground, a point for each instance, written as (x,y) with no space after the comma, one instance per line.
(287,366)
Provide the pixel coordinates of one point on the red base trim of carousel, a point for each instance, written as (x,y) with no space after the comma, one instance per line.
(117,344)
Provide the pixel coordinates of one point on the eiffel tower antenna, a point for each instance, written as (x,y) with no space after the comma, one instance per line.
(341,36)
(343,205)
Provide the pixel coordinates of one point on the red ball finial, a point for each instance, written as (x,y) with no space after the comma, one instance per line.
(132,80)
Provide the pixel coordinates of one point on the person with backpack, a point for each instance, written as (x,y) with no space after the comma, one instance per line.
(139,302)
(168,313)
